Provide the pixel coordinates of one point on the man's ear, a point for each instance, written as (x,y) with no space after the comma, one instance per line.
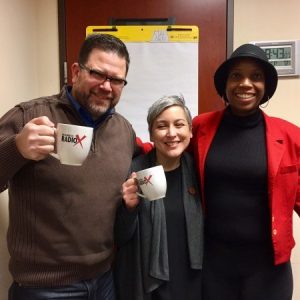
(75,69)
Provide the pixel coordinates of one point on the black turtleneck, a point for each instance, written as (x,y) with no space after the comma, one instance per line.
(236,181)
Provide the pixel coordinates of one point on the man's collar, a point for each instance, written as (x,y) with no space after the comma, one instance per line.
(84,114)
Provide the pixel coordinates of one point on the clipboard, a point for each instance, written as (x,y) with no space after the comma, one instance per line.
(163,61)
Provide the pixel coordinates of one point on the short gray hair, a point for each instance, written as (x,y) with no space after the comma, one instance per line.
(162,104)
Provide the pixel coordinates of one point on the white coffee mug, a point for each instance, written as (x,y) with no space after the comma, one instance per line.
(152,183)
(73,143)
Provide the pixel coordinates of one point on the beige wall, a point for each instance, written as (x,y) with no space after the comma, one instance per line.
(258,20)
(29,68)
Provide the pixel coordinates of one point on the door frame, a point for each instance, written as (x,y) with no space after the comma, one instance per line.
(62,40)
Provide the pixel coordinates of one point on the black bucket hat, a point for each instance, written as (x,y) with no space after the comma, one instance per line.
(249,51)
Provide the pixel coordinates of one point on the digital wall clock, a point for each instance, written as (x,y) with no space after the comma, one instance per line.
(284,55)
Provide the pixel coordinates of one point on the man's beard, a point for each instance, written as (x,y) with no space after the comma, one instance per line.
(96,110)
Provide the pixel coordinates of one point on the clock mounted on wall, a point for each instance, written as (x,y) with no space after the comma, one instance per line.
(284,55)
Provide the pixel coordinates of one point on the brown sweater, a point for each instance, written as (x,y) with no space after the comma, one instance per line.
(61,217)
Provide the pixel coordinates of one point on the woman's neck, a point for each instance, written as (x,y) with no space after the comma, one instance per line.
(169,164)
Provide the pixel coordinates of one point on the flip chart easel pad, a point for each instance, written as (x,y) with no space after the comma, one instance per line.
(158,68)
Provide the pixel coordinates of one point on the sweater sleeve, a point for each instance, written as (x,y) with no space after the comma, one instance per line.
(10,159)
(144,146)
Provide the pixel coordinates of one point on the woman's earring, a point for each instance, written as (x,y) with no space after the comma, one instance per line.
(264,105)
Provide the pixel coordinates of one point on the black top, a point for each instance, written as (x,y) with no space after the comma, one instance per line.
(184,283)
(236,182)
(142,262)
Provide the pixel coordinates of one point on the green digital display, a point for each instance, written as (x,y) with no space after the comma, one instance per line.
(284,55)
(284,52)
(281,63)
(279,56)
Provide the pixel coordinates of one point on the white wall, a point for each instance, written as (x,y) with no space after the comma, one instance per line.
(29,68)
(258,20)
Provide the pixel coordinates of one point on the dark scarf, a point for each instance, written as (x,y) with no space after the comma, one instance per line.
(147,252)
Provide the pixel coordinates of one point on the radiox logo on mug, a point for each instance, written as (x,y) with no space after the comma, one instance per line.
(75,139)
(145,180)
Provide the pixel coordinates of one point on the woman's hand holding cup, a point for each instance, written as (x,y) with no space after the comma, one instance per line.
(129,191)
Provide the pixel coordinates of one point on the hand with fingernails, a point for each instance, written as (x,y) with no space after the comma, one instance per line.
(37,138)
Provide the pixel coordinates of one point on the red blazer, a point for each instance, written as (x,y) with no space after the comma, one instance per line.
(283,154)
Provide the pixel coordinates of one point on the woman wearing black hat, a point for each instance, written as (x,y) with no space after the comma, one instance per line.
(249,164)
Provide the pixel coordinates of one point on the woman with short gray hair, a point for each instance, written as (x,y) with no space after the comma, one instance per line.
(163,103)
(160,242)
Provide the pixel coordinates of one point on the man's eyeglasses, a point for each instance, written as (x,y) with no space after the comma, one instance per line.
(102,77)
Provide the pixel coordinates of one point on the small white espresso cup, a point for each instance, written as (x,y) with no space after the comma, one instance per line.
(152,183)
(73,143)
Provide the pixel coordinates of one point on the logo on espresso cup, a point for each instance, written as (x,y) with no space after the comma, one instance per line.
(145,180)
(73,143)
(76,140)
(152,183)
